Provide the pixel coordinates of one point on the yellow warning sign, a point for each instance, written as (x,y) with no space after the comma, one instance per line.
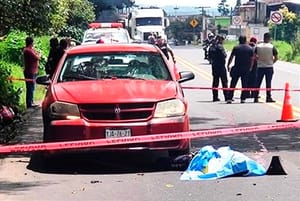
(194,23)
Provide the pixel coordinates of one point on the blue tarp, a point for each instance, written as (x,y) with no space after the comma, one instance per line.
(210,163)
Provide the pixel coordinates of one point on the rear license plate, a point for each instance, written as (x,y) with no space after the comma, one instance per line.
(114,133)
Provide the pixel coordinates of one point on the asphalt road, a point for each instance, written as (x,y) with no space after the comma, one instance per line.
(149,176)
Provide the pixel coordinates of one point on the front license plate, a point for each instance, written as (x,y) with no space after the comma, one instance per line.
(114,133)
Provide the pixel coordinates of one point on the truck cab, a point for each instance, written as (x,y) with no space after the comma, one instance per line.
(143,22)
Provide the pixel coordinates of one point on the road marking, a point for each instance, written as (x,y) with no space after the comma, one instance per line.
(208,77)
(194,68)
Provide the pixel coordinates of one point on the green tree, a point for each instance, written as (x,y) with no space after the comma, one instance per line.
(32,16)
(223,8)
(236,7)
(101,5)
(177,29)
(72,17)
(287,30)
(58,17)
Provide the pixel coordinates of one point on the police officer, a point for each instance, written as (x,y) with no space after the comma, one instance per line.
(207,43)
(218,56)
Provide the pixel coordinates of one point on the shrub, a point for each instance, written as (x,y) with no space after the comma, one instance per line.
(285,51)
(11,64)
(11,47)
(11,90)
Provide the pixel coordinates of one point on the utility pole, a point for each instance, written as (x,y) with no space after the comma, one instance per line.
(175,9)
(255,19)
(203,19)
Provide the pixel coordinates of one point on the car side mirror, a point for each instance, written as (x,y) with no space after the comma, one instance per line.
(43,80)
(186,76)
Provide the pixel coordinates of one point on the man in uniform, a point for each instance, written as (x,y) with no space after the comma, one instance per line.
(218,56)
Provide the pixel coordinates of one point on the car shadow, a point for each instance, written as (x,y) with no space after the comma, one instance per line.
(104,162)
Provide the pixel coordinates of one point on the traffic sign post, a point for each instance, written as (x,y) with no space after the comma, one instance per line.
(276,18)
(236,20)
(194,23)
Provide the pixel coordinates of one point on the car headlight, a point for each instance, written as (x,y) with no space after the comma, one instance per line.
(61,110)
(170,108)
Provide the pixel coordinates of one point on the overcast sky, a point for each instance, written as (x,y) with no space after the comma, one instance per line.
(192,3)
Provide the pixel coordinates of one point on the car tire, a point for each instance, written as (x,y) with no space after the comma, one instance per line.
(46,124)
(180,152)
(39,161)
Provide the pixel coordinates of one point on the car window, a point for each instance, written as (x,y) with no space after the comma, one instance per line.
(147,66)
(109,35)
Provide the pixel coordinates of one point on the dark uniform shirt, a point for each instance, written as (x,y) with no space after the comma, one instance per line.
(218,55)
(243,54)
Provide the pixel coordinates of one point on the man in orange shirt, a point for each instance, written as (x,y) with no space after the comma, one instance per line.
(31,63)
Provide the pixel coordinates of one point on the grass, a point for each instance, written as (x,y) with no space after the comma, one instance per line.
(285,50)
(40,91)
(228,45)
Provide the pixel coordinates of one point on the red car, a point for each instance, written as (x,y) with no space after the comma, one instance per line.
(116,90)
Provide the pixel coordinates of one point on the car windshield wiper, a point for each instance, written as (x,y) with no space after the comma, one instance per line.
(90,40)
(78,77)
(129,77)
(121,77)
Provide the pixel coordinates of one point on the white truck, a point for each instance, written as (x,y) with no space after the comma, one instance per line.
(142,22)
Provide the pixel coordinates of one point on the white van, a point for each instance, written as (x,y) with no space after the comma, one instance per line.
(106,33)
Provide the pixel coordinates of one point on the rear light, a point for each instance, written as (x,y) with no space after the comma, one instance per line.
(96,25)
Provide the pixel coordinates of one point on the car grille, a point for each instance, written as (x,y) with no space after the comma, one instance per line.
(124,111)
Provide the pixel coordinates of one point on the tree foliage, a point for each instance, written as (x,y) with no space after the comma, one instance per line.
(32,16)
(223,8)
(182,30)
(71,17)
(44,16)
(287,30)
(101,5)
(237,7)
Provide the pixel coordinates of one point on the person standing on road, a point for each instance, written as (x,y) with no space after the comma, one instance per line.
(266,55)
(31,63)
(244,58)
(253,72)
(218,55)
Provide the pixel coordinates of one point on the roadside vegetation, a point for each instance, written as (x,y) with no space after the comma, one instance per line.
(41,19)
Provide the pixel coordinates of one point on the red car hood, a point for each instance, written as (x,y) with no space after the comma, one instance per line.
(112,91)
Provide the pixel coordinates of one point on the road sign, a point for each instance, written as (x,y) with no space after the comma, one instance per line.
(194,23)
(237,20)
(276,17)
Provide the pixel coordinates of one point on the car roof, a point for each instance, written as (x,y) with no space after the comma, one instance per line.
(98,48)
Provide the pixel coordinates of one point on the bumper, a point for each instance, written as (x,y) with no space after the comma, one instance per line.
(67,130)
